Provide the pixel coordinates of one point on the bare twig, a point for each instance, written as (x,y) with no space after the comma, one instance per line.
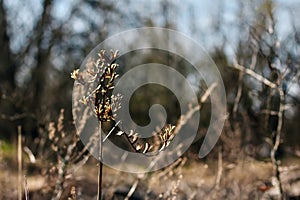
(132,189)
(184,118)
(169,168)
(17,116)
(275,163)
(240,83)
(254,59)
(238,94)
(268,108)
(254,75)
(276,144)
(30,154)
(269,112)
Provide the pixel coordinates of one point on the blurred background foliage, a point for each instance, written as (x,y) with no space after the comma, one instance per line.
(43,41)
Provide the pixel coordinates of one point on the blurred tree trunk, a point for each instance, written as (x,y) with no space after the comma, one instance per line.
(7,65)
(7,73)
(39,73)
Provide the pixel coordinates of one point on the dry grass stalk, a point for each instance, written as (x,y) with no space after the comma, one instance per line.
(26,188)
(20,163)
(102,72)
(1,152)
(100,172)
(220,168)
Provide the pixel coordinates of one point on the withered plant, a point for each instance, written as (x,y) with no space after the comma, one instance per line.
(98,80)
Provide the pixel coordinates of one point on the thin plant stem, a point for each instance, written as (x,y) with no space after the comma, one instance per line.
(25,188)
(220,168)
(100,164)
(19,163)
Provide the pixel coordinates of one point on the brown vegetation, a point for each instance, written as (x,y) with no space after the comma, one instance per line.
(42,156)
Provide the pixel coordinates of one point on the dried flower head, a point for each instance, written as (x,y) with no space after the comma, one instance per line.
(75,74)
(101,74)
